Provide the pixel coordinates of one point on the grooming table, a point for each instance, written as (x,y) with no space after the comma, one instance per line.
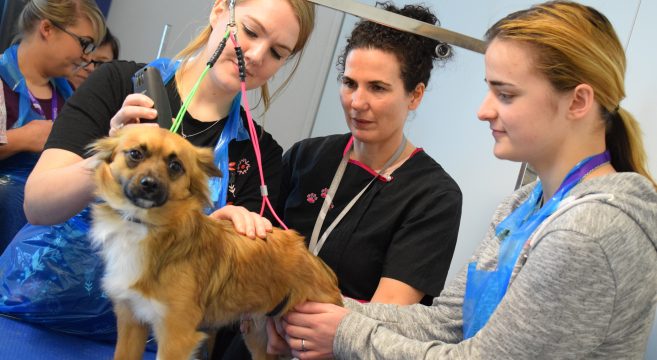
(23,341)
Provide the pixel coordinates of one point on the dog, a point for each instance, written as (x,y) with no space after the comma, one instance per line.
(171,268)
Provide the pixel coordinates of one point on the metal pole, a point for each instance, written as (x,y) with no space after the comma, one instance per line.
(165,31)
(404,23)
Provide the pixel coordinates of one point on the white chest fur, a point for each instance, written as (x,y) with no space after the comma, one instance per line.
(120,244)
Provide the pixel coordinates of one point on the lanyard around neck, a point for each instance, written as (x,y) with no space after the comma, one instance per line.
(13,78)
(37,105)
(317,243)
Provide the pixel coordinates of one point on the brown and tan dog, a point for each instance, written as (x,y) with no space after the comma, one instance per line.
(170,267)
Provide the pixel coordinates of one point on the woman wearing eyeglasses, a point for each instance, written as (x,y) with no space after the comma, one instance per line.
(55,37)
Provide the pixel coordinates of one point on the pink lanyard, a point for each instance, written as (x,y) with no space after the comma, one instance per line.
(316,242)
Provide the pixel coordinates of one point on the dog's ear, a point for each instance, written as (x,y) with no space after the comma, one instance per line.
(103,149)
(205,159)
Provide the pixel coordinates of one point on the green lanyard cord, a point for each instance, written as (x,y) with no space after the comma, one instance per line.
(190,96)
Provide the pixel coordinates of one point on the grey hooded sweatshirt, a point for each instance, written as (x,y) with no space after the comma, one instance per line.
(586,288)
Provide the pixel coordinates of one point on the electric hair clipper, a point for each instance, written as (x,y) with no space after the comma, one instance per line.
(148,81)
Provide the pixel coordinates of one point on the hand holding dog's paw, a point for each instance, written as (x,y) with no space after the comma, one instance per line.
(245,222)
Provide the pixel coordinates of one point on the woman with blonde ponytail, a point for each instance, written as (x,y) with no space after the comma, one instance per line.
(568,267)
(59,190)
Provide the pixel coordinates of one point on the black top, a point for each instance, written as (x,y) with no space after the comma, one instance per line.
(86,117)
(404,229)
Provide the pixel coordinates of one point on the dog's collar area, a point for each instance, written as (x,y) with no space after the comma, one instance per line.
(279,308)
(133,219)
(130,218)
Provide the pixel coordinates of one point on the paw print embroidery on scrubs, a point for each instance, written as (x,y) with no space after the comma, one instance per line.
(312,197)
(243,166)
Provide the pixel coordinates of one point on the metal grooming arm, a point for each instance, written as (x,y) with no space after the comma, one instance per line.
(404,23)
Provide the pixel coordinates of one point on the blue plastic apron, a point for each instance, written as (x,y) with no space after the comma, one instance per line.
(485,289)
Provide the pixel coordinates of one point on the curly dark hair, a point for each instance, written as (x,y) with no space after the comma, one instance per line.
(416,54)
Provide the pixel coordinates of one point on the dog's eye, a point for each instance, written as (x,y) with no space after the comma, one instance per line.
(175,167)
(134,155)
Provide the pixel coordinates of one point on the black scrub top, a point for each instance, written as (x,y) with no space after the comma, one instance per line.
(404,228)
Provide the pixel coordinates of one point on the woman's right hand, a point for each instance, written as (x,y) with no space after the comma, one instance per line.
(135,107)
(246,222)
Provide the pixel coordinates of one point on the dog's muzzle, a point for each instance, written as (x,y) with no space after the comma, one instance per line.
(146,191)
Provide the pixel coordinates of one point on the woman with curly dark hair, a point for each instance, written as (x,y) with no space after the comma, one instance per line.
(376,208)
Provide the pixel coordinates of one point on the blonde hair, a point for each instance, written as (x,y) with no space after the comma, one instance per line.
(575,44)
(305,13)
(63,13)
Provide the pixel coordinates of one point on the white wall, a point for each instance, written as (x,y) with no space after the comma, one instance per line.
(446,125)
(641,82)
(139,25)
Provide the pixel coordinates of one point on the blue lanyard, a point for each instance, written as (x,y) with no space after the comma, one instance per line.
(485,289)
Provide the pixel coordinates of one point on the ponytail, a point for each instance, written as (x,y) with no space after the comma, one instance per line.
(625,144)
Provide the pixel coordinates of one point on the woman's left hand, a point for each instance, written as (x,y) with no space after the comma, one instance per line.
(246,222)
(310,329)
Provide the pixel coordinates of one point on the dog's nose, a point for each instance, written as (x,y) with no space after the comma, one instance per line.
(149,185)
(147,192)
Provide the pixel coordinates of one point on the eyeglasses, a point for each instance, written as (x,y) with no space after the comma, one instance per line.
(96,63)
(88,46)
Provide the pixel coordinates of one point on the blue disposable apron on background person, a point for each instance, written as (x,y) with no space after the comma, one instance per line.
(15,169)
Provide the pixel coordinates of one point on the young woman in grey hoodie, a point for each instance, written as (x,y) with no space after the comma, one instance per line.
(568,268)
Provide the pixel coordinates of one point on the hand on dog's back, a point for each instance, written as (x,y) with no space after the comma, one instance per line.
(246,222)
